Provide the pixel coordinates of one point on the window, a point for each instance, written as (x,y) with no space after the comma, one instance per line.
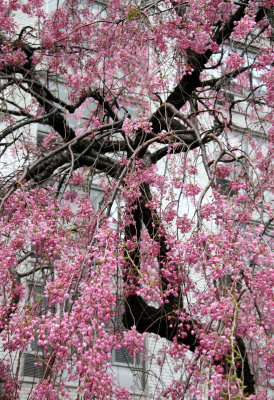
(34,366)
(2,395)
(122,355)
(42,133)
(34,362)
(36,293)
(130,370)
(224,187)
(225,97)
(97,196)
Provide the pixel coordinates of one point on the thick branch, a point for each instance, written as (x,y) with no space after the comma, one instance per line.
(157,320)
(183,91)
(243,369)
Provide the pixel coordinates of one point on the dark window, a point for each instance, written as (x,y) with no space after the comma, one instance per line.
(2,395)
(31,368)
(34,362)
(225,97)
(42,133)
(224,187)
(122,355)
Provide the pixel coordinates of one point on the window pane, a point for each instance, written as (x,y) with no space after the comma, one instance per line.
(122,356)
(97,196)
(35,371)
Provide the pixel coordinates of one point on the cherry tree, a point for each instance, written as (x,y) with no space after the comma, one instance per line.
(166,109)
